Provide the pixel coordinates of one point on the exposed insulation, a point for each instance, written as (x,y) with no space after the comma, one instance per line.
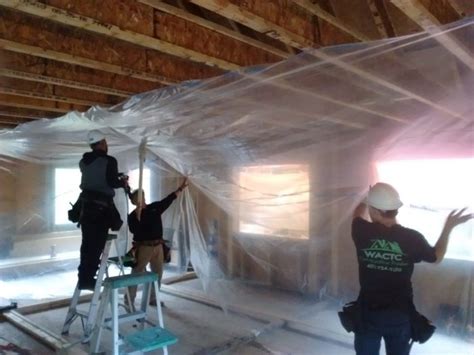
(183,33)
(441,9)
(126,14)
(283,13)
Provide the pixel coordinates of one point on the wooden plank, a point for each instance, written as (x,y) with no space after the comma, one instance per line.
(37,8)
(415,10)
(12,101)
(377,18)
(235,13)
(45,336)
(185,15)
(16,74)
(86,62)
(318,11)
(11,121)
(48,97)
(27,115)
(462,7)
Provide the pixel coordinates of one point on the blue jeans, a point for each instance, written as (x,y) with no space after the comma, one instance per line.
(391,325)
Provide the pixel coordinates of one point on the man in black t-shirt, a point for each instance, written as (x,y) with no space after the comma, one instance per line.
(386,254)
(147,229)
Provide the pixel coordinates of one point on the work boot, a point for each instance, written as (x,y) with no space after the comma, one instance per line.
(87,284)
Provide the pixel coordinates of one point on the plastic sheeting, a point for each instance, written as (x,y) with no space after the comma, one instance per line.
(278,157)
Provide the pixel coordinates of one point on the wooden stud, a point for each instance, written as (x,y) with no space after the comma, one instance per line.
(35,104)
(377,18)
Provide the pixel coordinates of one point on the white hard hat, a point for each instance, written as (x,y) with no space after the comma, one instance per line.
(384,197)
(94,137)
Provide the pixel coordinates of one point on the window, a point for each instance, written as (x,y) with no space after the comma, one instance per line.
(430,189)
(274,200)
(66,190)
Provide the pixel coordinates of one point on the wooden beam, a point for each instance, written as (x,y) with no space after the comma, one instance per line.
(185,15)
(35,104)
(415,10)
(377,18)
(48,97)
(65,17)
(462,7)
(16,74)
(233,12)
(27,115)
(11,121)
(318,11)
(86,62)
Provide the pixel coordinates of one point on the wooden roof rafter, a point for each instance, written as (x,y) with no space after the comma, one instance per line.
(235,34)
(320,13)
(39,9)
(49,97)
(416,11)
(16,74)
(86,62)
(233,12)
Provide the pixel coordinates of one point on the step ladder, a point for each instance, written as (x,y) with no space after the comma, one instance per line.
(88,318)
(137,342)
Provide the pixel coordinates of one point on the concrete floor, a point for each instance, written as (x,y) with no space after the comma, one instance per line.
(203,329)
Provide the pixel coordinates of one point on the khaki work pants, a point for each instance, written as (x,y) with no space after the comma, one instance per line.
(148,254)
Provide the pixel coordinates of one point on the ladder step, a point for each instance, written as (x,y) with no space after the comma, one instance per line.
(149,339)
(130,280)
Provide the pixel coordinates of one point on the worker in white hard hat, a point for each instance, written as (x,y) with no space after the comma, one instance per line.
(98,213)
(386,253)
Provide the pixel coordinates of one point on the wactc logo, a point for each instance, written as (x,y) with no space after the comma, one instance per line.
(384,250)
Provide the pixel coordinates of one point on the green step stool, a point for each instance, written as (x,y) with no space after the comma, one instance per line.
(137,342)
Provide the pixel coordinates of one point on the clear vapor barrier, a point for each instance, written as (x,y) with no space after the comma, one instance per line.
(277,157)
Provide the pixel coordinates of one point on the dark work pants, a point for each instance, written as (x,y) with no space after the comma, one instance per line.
(391,325)
(94,236)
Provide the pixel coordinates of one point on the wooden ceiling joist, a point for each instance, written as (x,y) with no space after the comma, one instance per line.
(86,62)
(418,13)
(37,8)
(48,97)
(13,120)
(233,12)
(26,116)
(38,104)
(185,15)
(16,74)
(317,11)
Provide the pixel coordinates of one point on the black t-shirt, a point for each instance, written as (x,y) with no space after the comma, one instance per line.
(150,226)
(386,257)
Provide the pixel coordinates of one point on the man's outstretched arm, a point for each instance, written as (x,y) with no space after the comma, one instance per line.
(454,219)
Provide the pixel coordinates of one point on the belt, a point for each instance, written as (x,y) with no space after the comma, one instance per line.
(148,243)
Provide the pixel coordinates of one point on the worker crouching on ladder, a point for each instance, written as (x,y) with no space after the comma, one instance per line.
(95,210)
(146,226)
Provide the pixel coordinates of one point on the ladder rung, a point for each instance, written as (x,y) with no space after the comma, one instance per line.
(149,339)
(130,280)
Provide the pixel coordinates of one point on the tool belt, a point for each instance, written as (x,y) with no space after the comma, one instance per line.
(148,243)
(93,207)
